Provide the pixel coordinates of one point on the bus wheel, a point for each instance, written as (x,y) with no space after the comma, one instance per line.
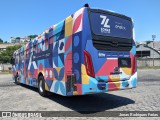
(41,86)
(17,79)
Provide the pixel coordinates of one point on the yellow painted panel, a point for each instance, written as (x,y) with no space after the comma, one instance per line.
(114,78)
(46,87)
(85,79)
(75,93)
(58,69)
(68,26)
(83,69)
(63,79)
(127,71)
(117,84)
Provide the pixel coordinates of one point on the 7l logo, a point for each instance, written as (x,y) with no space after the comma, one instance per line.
(105,21)
(106,26)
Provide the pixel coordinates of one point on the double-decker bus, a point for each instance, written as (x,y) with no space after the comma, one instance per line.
(91,51)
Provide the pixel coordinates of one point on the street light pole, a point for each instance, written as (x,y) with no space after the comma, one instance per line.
(153,38)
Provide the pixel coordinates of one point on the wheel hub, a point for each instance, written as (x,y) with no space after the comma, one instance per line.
(40,86)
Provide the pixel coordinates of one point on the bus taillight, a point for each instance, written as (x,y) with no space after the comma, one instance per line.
(134,66)
(88,64)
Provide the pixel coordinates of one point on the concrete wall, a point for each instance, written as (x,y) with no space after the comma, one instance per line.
(4,45)
(148,62)
(5,66)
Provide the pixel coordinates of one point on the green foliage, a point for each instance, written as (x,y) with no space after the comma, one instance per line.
(1,41)
(32,36)
(18,38)
(5,56)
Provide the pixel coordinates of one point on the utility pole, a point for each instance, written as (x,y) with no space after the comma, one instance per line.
(153,38)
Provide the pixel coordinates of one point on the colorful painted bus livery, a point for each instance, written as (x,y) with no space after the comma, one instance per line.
(91,51)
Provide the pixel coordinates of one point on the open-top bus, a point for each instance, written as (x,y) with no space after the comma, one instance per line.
(91,51)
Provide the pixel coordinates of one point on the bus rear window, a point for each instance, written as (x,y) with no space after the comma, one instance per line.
(110,25)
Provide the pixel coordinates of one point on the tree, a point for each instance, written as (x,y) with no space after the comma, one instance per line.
(18,38)
(5,56)
(1,41)
(32,36)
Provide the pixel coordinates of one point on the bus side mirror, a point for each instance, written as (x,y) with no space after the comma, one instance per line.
(12,61)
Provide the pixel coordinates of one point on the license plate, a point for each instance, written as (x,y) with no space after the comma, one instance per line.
(115,76)
(124,62)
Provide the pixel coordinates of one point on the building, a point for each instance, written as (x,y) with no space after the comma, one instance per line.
(24,39)
(12,40)
(4,46)
(19,39)
(148,53)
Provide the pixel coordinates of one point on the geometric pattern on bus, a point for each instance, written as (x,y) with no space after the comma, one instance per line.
(58,53)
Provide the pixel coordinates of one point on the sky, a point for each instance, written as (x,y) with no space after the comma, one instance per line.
(20,18)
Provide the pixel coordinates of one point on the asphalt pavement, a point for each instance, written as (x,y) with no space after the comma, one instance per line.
(146,97)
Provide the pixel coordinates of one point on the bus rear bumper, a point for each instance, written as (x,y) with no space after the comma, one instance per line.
(98,87)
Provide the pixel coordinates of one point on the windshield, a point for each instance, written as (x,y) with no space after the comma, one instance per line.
(110,25)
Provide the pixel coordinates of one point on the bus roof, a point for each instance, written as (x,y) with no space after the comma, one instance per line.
(53,26)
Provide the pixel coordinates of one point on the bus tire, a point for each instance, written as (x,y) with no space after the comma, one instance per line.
(17,79)
(41,86)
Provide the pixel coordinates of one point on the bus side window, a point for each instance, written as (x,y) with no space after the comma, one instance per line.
(13,61)
(19,57)
(51,43)
(51,40)
(59,35)
(46,44)
(22,54)
(30,51)
(34,48)
(27,53)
